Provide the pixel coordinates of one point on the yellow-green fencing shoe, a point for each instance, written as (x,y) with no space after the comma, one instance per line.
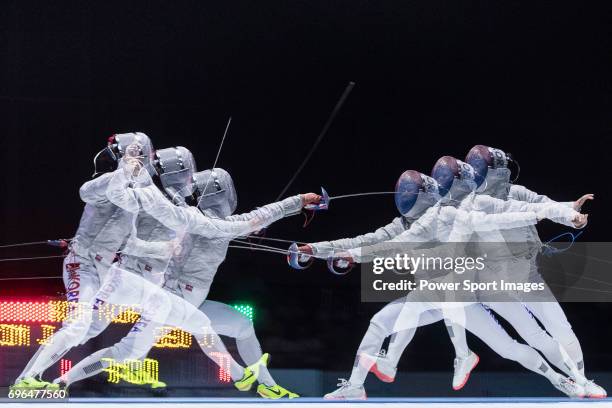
(251,373)
(247,380)
(31,383)
(275,392)
(157,385)
(54,386)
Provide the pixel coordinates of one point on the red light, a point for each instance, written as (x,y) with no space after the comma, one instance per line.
(38,312)
(65,366)
(223,360)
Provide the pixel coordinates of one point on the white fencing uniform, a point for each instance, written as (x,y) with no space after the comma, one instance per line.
(151,260)
(456,225)
(102,230)
(513,312)
(550,314)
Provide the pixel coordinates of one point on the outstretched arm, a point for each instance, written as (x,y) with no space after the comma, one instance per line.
(191,220)
(324,249)
(291,205)
(552,210)
(454,221)
(481,222)
(522,193)
(421,232)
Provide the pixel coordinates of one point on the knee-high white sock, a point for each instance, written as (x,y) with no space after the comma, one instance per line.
(370,345)
(531,360)
(29,372)
(456,333)
(250,351)
(482,324)
(575,352)
(547,371)
(214,348)
(58,345)
(88,367)
(556,354)
(95,329)
(397,345)
(552,317)
(199,325)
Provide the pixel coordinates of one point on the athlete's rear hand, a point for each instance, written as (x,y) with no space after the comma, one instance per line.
(580,220)
(580,202)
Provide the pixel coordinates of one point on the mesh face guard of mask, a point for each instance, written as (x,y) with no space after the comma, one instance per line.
(215,192)
(107,159)
(482,158)
(414,193)
(454,177)
(464,183)
(175,167)
(444,172)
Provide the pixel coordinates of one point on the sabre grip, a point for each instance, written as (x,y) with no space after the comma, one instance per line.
(323,204)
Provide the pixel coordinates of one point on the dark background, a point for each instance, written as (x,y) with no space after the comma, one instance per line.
(432,78)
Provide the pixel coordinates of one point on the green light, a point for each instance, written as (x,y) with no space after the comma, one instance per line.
(245,309)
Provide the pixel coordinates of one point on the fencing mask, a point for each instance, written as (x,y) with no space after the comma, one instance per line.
(215,193)
(107,159)
(415,193)
(454,177)
(492,168)
(175,167)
